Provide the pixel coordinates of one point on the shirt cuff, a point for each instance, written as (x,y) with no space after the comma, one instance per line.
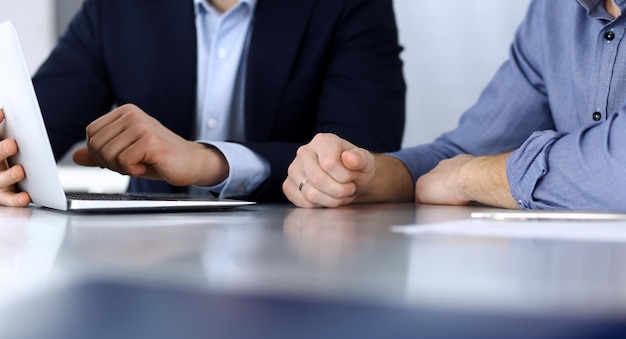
(248,170)
(528,164)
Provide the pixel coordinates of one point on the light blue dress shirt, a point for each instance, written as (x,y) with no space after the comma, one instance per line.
(223,40)
(559,102)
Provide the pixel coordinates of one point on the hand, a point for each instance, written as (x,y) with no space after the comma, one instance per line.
(10,176)
(336,171)
(444,184)
(131,142)
(465,178)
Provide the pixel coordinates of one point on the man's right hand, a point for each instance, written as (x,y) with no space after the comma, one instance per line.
(10,176)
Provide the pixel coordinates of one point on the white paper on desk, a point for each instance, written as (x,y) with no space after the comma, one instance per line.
(614,231)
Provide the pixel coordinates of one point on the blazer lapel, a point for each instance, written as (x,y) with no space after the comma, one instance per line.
(277,33)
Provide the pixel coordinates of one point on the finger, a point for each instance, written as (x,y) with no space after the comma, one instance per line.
(293,194)
(107,119)
(108,135)
(8,179)
(317,162)
(10,176)
(306,166)
(105,144)
(12,199)
(329,149)
(309,197)
(136,158)
(112,153)
(358,160)
(8,148)
(81,157)
(310,194)
(319,198)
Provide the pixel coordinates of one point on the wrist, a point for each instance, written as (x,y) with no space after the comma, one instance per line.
(483,179)
(214,167)
(391,182)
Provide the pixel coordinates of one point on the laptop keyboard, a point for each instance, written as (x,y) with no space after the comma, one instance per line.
(109,196)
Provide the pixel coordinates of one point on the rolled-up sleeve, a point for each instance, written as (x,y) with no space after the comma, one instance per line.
(580,170)
(527,165)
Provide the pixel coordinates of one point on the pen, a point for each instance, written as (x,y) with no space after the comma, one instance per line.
(548,215)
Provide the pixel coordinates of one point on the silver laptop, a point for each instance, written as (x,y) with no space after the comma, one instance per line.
(23,122)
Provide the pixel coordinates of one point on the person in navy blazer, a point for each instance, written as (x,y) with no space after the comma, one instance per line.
(313,66)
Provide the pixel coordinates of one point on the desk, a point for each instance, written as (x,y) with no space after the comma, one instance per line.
(348,254)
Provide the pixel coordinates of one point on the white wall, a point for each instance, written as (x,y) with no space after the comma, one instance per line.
(452,49)
(35,23)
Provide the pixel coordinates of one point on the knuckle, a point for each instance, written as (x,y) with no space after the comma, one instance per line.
(107,153)
(302,150)
(131,107)
(149,139)
(317,137)
(133,113)
(316,178)
(90,130)
(323,137)
(291,170)
(328,164)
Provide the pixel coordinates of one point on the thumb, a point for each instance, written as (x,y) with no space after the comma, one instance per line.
(81,157)
(357,159)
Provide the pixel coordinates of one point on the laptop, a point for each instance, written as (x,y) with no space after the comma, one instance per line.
(24,123)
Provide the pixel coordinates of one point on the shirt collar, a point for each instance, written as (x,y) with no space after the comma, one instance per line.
(199,3)
(595,6)
(588,4)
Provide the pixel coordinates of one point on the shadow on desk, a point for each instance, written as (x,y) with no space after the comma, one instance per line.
(118,310)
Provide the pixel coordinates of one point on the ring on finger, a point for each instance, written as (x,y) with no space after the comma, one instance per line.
(302,183)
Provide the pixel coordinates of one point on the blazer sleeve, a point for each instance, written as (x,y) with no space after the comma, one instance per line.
(71,84)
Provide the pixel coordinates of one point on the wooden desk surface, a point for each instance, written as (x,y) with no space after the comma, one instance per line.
(350,253)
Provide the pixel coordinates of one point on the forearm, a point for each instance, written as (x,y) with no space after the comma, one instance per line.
(392,182)
(484,180)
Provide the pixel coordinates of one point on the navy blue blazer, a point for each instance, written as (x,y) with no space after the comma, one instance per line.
(314,66)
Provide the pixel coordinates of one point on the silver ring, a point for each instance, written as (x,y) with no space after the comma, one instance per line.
(302,183)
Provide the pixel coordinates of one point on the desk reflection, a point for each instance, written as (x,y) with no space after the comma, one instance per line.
(277,248)
(326,237)
(348,252)
(28,250)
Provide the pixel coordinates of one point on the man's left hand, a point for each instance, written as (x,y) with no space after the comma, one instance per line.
(465,178)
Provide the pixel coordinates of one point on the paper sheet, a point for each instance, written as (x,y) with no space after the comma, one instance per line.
(606,231)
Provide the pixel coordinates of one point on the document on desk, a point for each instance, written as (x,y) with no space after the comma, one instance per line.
(587,226)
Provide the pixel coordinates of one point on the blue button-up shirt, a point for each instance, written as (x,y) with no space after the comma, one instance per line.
(223,40)
(559,102)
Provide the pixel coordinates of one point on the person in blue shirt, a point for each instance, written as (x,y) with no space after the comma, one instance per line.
(214,97)
(548,132)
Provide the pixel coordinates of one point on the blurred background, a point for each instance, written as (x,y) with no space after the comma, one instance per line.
(451,51)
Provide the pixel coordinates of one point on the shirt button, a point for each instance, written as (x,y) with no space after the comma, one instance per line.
(609,36)
(222,53)
(212,123)
(596,116)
